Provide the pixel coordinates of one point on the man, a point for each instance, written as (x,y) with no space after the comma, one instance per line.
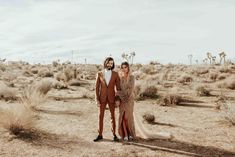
(106,81)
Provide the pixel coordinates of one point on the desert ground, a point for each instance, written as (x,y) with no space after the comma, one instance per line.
(49,110)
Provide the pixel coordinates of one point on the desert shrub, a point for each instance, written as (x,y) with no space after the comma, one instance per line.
(146,91)
(55,63)
(148,69)
(184,79)
(45,72)
(228,110)
(202,91)
(59,85)
(7,93)
(154,63)
(34,70)
(27,73)
(228,83)
(201,71)
(74,82)
(44,86)
(222,76)
(70,73)
(224,69)
(150,118)
(32,97)
(171,99)
(213,76)
(60,76)
(2,67)
(17,119)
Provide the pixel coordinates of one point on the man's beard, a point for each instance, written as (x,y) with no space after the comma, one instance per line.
(109,68)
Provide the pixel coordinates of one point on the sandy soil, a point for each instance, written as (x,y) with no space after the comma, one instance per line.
(69,126)
(67,121)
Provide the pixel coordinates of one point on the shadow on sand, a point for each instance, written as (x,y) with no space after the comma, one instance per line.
(179,147)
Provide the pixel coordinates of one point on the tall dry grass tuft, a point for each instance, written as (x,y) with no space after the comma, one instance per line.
(44,86)
(18,119)
(35,95)
(228,110)
(7,93)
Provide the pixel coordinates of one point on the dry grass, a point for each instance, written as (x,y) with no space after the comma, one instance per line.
(7,93)
(222,76)
(32,97)
(202,91)
(150,118)
(143,91)
(148,69)
(171,100)
(185,79)
(44,86)
(213,76)
(59,85)
(2,67)
(45,72)
(228,83)
(17,119)
(228,110)
(201,71)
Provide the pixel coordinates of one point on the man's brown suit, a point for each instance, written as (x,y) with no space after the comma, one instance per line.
(105,94)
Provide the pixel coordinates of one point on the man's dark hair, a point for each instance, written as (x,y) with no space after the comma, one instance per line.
(106,62)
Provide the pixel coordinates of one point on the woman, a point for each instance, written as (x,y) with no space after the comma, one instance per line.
(127,117)
(126,128)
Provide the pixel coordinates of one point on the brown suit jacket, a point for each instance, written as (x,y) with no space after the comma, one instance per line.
(105,93)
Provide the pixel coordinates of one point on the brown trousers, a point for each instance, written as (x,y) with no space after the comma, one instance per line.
(112,116)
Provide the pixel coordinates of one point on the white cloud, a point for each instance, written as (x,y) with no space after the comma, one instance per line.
(155,29)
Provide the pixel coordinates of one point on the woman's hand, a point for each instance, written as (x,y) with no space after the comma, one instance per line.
(117,103)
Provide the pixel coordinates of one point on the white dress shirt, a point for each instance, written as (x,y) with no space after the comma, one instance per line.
(107,75)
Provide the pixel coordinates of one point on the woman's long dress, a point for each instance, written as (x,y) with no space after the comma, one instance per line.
(127,105)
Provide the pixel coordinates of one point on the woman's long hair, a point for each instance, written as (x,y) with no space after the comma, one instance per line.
(129,70)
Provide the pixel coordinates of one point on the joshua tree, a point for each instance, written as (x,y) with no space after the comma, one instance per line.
(213,59)
(209,56)
(2,60)
(205,60)
(190,58)
(222,57)
(132,56)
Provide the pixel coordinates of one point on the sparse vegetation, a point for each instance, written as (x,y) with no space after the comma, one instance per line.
(7,93)
(228,83)
(171,100)
(17,119)
(185,79)
(202,91)
(229,112)
(150,118)
(146,91)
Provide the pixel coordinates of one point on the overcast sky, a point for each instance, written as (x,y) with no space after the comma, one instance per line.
(163,30)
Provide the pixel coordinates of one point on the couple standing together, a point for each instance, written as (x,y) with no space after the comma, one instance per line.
(116,90)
